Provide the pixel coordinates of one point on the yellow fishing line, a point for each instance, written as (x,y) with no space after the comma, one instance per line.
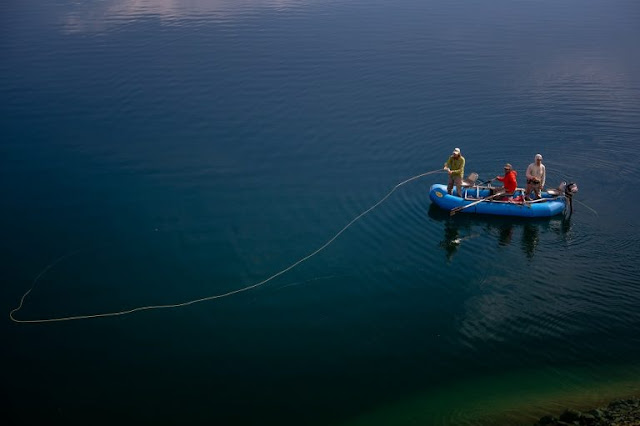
(203,299)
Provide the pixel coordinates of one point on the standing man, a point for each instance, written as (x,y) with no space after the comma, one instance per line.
(455,167)
(536,177)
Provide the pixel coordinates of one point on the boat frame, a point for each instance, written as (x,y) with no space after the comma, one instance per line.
(474,200)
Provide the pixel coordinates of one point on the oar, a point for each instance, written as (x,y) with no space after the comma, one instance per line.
(457,209)
(484,182)
(540,200)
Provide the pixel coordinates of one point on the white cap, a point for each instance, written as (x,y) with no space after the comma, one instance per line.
(456,150)
(538,157)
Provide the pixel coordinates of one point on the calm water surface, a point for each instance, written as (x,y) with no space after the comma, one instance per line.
(172,150)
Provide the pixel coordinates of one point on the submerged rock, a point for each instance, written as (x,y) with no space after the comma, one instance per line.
(570,415)
(618,413)
(547,420)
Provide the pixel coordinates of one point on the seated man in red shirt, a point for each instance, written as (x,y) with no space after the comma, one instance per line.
(509,180)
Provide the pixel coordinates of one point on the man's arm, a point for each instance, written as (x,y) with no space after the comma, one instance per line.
(528,173)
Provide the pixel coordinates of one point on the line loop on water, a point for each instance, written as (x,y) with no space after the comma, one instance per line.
(203,299)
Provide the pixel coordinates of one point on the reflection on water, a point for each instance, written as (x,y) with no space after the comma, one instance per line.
(451,239)
(530,239)
(527,231)
(99,16)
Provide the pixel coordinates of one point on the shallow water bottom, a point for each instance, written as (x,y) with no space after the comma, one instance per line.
(511,399)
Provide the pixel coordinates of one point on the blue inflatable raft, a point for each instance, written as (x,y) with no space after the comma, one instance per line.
(552,203)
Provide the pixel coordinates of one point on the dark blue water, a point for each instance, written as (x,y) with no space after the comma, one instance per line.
(160,151)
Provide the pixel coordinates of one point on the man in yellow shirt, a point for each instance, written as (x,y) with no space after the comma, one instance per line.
(455,167)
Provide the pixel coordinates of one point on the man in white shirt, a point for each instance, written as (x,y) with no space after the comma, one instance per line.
(536,177)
